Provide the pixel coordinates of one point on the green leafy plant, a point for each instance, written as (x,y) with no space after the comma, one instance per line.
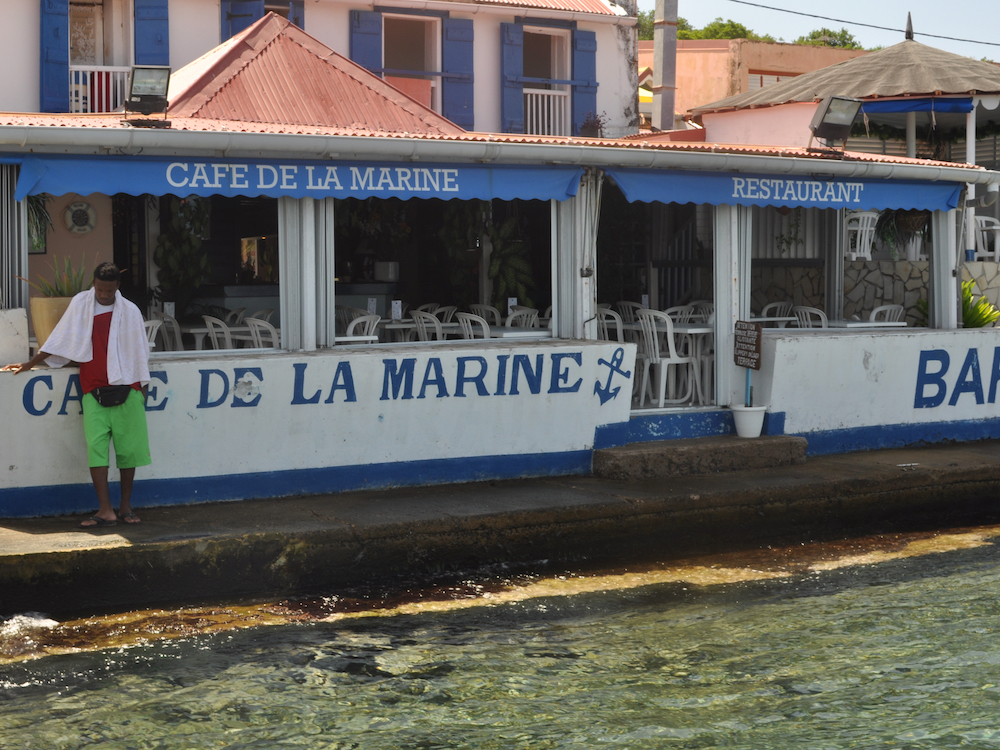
(976,312)
(979,312)
(183,266)
(67,281)
(896,227)
(510,263)
(39,220)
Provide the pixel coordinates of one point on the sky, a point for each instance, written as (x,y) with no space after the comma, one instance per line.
(929,16)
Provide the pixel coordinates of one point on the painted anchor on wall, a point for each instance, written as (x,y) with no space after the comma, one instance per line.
(606,393)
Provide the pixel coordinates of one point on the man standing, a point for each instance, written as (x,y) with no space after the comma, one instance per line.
(105,333)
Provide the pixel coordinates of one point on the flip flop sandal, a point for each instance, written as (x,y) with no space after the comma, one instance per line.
(98,523)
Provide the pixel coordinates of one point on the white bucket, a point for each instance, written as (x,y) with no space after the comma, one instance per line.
(749,420)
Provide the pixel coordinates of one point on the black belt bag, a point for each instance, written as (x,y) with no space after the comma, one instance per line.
(112,395)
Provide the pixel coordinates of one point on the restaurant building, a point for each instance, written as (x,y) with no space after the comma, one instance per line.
(320,415)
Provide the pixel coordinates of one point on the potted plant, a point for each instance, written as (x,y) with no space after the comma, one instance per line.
(901,229)
(47,309)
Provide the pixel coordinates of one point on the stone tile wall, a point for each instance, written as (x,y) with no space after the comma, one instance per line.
(801,285)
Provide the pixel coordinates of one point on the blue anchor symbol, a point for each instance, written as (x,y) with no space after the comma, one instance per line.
(607,393)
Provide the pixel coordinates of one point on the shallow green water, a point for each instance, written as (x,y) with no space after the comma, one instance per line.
(898,654)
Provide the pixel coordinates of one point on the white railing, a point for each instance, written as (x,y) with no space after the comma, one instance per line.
(546,112)
(97,88)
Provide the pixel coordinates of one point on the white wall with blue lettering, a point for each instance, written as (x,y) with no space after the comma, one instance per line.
(251,425)
(862,390)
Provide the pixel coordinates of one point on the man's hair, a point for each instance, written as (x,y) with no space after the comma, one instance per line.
(107,272)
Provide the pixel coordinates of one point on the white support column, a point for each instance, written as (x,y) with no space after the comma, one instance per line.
(727,296)
(575,223)
(944,269)
(289,253)
(307,278)
(970,158)
(327,313)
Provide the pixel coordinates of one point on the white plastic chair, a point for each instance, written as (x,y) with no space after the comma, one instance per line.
(174,342)
(264,314)
(704,309)
(781,309)
(680,313)
(261,328)
(428,307)
(235,317)
(152,327)
(445,314)
(652,323)
(364,325)
(809,317)
(606,317)
(985,226)
(628,310)
(218,332)
(426,325)
(526,317)
(888,313)
(487,312)
(859,234)
(469,322)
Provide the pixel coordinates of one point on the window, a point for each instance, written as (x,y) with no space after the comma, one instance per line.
(238,15)
(427,56)
(548,79)
(410,47)
(88,48)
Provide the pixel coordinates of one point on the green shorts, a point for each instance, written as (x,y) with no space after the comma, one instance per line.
(125,424)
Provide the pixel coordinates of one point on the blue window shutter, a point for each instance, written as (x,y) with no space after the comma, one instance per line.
(456,55)
(297,12)
(239,14)
(366,39)
(152,33)
(54,47)
(584,70)
(511,71)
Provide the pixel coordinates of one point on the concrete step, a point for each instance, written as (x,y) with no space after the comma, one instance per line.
(708,455)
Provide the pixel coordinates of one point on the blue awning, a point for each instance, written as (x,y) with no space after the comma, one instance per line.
(956,106)
(728,189)
(136,175)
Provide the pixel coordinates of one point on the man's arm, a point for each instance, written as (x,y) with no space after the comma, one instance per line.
(15,368)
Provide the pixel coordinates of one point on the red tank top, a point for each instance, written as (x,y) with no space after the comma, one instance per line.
(94,374)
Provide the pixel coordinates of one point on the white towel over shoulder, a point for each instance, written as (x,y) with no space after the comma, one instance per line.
(128,348)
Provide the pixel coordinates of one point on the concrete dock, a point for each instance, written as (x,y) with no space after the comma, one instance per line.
(653,501)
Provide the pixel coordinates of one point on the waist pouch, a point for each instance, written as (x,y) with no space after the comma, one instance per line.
(112,395)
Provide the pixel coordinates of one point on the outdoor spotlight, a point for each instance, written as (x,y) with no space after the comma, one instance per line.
(834,117)
(147,92)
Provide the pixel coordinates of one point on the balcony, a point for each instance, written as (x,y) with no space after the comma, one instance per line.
(97,88)
(546,112)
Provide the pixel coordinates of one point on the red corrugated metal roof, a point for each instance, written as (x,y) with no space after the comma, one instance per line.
(642,141)
(597,7)
(275,73)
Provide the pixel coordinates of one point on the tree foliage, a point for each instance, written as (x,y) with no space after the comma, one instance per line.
(825,37)
(721,29)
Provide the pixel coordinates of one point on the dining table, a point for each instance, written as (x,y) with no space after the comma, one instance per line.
(866,324)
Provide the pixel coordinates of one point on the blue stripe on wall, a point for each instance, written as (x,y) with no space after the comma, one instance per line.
(23,502)
(677,426)
(898,435)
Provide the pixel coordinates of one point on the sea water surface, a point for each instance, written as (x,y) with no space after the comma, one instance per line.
(882,642)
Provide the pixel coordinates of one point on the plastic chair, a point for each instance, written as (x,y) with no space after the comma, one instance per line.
(781,309)
(652,323)
(264,314)
(680,313)
(218,331)
(170,325)
(704,309)
(605,318)
(526,317)
(859,234)
(426,324)
(235,317)
(468,322)
(985,226)
(809,317)
(364,325)
(628,310)
(258,329)
(487,312)
(445,314)
(888,313)
(428,307)
(152,327)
